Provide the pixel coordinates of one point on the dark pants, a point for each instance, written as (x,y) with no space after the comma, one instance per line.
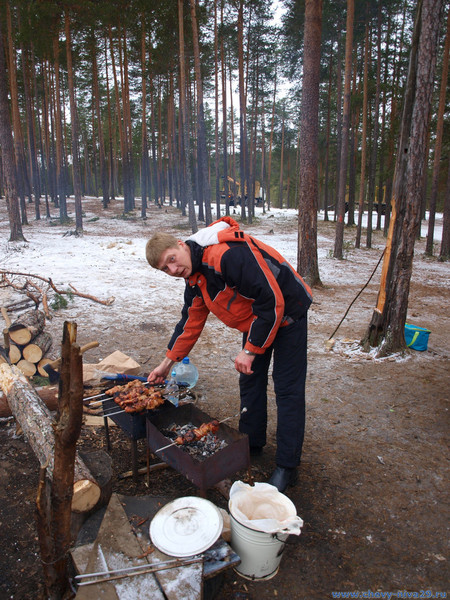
(289,375)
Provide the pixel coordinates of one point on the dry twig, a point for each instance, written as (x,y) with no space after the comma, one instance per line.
(42,294)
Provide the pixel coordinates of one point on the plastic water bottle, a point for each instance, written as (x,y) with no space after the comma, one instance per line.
(186,373)
(172,389)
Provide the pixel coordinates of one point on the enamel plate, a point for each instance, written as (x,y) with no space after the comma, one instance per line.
(186,526)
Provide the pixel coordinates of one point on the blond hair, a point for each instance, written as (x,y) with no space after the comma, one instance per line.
(156,245)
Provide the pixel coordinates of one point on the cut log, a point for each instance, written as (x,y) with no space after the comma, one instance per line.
(48,394)
(27,327)
(37,424)
(15,354)
(28,368)
(36,349)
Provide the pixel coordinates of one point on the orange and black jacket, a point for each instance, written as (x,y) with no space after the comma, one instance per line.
(247,284)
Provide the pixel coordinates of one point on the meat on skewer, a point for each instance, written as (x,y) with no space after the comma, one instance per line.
(193,435)
(135,397)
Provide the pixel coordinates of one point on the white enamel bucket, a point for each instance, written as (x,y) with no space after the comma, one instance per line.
(260,552)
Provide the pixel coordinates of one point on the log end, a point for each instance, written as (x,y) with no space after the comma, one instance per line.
(28,368)
(86,494)
(20,335)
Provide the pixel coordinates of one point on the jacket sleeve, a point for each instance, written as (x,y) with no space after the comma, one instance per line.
(245,269)
(189,327)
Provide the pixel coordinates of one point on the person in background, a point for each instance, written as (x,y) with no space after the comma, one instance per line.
(249,286)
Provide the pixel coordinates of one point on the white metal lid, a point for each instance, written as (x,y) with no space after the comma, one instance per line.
(186,526)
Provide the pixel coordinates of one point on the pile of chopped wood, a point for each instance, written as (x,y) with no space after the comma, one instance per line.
(26,342)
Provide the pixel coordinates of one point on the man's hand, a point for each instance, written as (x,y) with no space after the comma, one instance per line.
(159,373)
(243,363)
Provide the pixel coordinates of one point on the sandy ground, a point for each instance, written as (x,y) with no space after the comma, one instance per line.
(372,490)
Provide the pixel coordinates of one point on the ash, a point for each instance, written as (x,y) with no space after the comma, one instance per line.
(200,449)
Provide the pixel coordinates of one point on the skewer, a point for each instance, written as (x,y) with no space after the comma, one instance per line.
(222,421)
(137,570)
(108,396)
(120,412)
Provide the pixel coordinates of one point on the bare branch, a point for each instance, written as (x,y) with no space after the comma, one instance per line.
(5,281)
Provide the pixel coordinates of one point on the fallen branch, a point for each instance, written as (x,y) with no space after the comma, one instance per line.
(5,281)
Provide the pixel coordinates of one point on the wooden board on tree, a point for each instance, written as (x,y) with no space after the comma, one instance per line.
(26,327)
(36,422)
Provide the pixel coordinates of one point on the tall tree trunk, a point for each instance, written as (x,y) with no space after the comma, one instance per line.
(21,168)
(216,114)
(242,109)
(46,146)
(445,243)
(381,206)
(34,169)
(144,138)
(185,122)
(263,155)
(396,90)
(224,120)
(202,150)
(353,150)
(236,189)
(8,158)
(374,151)
(386,328)
(98,116)
(307,259)
(124,70)
(156,180)
(338,119)
(111,165)
(328,137)
(119,112)
(280,186)
(340,212)
(272,127)
(172,139)
(60,152)
(74,125)
(438,144)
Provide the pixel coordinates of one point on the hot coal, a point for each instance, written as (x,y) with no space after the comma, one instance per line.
(200,449)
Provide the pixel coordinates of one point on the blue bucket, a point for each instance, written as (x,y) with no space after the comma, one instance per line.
(416,337)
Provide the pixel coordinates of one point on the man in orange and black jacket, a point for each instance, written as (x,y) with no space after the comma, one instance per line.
(249,286)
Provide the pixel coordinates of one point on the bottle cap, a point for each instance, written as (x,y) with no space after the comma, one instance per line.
(186,360)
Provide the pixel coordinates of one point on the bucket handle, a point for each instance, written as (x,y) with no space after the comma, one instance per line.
(275,535)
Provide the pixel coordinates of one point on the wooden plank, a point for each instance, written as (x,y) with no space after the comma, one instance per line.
(117,547)
(181,583)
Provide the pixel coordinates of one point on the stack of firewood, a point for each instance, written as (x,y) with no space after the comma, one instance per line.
(26,342)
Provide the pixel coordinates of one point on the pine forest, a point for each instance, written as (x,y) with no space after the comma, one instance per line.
(210,103)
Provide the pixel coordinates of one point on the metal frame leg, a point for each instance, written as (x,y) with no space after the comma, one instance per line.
(108,440)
